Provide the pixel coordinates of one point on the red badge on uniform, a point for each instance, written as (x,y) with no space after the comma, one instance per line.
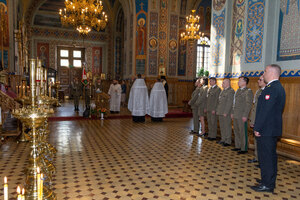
(267,97)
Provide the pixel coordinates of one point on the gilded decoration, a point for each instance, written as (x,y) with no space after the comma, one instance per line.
(173,45)
(153,43)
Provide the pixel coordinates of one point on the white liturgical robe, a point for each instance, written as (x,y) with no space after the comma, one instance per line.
(115,97)
(158,101)
(138,102)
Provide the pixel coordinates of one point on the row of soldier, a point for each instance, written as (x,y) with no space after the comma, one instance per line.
(264,112)
(224,106)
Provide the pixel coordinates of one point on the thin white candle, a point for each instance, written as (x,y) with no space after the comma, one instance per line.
(19,193)
(38,182)
(5,189)
(41,186)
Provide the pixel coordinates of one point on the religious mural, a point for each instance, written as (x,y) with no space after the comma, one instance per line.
(204,11)
(173,35)
(43,53)
(237,32)
(255,31)
(141,35)
(4,35)
(97,61)
(289,30)
(183,7)
(4,32)
(153,44)
(181,50)
(163,30)
(218,4)
(218,39)
(118,57)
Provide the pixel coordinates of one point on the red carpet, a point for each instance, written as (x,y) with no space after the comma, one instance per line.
(174,113)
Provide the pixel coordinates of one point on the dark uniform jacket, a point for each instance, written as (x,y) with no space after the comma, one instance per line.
(268,120)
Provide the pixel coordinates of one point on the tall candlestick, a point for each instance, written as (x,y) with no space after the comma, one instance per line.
(19,193)
(5,189)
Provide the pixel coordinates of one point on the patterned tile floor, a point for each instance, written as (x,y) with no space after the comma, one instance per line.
(119,159)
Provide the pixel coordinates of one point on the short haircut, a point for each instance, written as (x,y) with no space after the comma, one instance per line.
(139,76)
(205,79)
(277,68)
(227,79)
(245,79)
(213,78)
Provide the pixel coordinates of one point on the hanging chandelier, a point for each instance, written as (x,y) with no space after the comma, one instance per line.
(83,15)
(192,32)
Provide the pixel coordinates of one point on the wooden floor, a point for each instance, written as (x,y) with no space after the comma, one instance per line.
(119,159)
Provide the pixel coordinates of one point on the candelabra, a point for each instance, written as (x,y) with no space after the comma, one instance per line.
(83,15)
(192,28)
(34,116)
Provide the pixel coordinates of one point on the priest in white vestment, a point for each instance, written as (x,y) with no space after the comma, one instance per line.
(115,96)
(138,103)
(158,102)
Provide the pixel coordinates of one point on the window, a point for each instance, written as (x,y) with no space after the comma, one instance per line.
(70,57)
(203,54)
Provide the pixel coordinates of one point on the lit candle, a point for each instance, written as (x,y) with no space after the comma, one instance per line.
(41,186)
(38,182)
(19,193)
(23,194)
(5,189)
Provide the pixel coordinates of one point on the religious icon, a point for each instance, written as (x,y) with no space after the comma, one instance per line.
(153,43)
(162,70)
(173,45)
(141,37)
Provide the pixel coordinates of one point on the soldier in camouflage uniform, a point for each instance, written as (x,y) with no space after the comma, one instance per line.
(242,104)
(212,101)
(224,110)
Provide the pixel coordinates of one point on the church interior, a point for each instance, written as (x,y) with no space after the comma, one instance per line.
(56,152)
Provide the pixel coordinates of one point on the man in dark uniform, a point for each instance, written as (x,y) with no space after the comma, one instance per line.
(268,127)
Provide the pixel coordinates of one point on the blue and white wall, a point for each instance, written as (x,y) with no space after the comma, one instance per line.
(247,35)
